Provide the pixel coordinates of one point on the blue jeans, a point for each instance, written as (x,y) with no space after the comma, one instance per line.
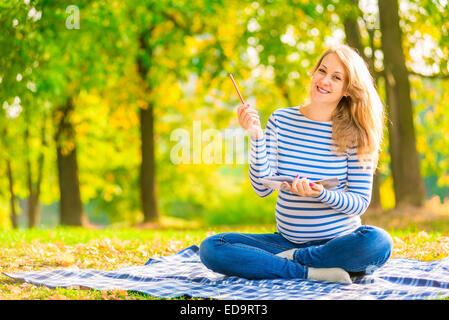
(253,256)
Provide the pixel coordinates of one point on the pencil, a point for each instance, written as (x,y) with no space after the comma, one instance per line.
(237,89)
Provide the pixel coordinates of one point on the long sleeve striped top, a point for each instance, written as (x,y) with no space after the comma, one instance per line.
(293,144)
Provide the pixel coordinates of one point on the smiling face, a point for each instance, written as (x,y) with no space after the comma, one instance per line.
(328,81)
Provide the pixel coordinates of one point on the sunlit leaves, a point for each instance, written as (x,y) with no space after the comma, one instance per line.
(269,46)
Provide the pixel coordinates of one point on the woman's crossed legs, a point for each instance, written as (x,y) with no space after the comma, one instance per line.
(254,256)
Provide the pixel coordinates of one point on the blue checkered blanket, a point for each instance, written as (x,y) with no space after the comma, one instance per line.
(183,274)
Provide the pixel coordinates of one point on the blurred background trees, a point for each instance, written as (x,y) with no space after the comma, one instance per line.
(96,95)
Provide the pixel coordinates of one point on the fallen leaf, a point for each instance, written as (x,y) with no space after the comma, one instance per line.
(65,259)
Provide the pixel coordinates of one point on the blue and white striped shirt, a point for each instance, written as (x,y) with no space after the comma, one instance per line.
(294,144)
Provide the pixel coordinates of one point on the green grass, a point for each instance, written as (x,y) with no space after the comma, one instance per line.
(108,249)
(105,249)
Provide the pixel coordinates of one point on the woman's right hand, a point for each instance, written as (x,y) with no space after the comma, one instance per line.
(249,120)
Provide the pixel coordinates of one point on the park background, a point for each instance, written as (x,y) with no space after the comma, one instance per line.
(92,93)
(119,139)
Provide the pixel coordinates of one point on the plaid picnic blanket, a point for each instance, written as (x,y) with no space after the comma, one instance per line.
(183,274)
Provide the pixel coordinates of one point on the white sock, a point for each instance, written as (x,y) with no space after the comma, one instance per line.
(329,274)
(323,274)
(287,254)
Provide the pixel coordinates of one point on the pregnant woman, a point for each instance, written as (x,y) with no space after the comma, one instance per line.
(338,133)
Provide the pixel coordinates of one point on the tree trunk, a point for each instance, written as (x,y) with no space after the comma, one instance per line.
(71,207)
(148,165)
(33,208)
(12,197)
(147,169)
(353,39)
(408,184)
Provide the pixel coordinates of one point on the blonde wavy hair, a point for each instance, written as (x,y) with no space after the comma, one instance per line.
(358,120)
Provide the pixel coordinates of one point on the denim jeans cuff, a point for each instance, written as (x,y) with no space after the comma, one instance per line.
(306,268)
(295,256)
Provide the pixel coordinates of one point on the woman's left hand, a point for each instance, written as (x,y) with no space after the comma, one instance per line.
(303,187)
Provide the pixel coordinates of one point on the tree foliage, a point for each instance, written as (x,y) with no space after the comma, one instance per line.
(175,56)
